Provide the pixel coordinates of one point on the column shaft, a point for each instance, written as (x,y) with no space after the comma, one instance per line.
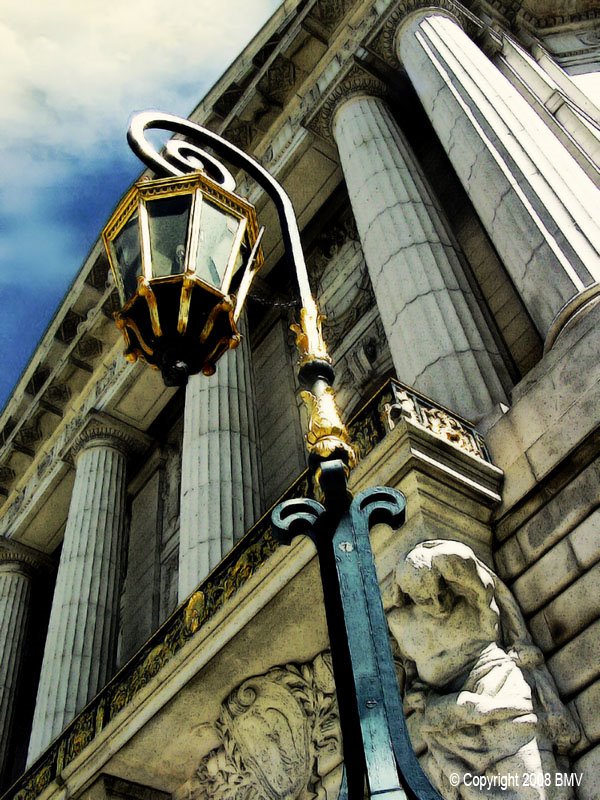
(533,198)
(81,640)
(15,589)
(437,335)
(220,487)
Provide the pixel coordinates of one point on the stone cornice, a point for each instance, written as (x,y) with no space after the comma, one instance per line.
(102,429)
(383,43)
(354,81)
(25,558)
(545,16)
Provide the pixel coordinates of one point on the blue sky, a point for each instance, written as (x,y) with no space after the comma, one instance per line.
(72,73)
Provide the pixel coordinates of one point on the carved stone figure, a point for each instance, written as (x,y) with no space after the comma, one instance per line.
(280,735)
(483,702)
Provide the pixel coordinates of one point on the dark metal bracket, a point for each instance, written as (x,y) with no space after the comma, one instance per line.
(377,747)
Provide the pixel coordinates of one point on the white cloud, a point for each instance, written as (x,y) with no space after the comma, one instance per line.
(72,70)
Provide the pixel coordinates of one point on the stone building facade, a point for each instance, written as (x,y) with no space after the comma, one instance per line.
(156,640)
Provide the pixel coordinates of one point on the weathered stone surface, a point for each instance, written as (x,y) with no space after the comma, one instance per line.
(578,662)
(414,265)
(588,767)
(540,224)
(587,704)
(555,570)
(573,609)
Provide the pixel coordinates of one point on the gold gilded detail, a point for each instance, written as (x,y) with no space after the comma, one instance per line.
(193,615)
(326,431)
(309,336)
(145,290)
(184,303)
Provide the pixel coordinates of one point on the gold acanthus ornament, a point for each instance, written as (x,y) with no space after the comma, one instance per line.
(326,431)
(309,336)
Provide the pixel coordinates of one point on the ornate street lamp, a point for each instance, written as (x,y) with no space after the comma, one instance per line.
(377,749)
(179,247)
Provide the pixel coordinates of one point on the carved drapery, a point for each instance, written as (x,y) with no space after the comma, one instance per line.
(481,697)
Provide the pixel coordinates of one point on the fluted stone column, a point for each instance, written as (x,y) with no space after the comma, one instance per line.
(17,564)
(81,640)
(439,340)
(220,486)
(536,203)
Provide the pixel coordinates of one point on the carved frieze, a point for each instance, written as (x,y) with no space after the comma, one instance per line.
(411,406)
(542,15)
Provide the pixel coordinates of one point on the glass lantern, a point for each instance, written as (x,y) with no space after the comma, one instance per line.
(180,250)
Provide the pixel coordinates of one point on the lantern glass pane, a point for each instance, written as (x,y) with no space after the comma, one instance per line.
(217,233)
(168,221)
(126,253)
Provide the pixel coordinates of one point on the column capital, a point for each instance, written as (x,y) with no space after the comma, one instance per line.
(18,557)
(354,81)
(102,429)
(384,43)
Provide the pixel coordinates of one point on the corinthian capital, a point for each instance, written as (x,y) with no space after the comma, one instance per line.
(17,557)
(354,81)
(101,429)
(384,41)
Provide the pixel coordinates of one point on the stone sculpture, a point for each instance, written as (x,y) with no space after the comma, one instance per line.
(482,701)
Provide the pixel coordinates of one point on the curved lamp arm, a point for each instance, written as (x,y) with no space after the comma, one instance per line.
(327,435)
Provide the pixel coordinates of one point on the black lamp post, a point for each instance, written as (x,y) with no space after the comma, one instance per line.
(179,315)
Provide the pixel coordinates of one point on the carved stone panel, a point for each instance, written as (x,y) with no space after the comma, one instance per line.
(279,734)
